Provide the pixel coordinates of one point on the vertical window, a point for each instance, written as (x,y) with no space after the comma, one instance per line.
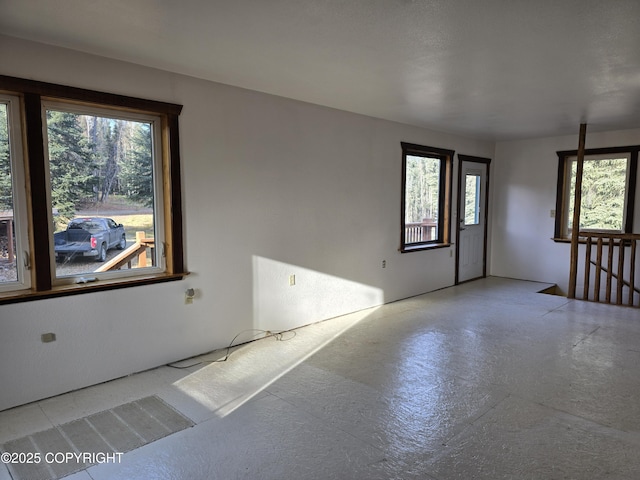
(472,199)
(608,190)
(426,193)
(14,244)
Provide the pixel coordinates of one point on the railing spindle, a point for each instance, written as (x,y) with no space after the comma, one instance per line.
(609,271)
(620,278)
(587,268)
(420,232)
(632,272)
(596,286)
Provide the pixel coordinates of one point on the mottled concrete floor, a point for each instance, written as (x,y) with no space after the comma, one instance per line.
(486,380)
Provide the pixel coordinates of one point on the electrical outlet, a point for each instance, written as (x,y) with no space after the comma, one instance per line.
(188,296)
(384,264)
(48,337)
(292,280)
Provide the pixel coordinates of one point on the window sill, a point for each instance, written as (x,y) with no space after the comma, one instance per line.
(20,296)
(421,247)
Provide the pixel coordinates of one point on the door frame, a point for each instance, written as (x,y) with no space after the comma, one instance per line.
(472,159)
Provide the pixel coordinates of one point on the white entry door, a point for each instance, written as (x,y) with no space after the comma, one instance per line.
(472,199)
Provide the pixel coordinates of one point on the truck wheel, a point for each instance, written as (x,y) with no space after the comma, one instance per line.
(102,256)
(123,243)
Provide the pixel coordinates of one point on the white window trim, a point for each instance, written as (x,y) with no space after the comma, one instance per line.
(18,180)
(158,186)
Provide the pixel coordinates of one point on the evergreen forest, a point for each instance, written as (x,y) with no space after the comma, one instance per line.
(604,182)
(91,158)
(421,189)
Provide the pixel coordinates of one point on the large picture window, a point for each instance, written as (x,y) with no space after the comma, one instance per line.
(608,190)
(104,173)
(426,194)
(104,204)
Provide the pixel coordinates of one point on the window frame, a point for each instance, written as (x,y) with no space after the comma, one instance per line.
(33,96)
(18,187)
(477,200)
(565,157)
(159,214)
(444,201)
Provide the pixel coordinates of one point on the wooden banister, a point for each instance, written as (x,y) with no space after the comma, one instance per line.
(138,249)
(616,263)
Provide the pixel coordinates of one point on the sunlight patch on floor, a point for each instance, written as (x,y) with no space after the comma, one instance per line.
(222,387)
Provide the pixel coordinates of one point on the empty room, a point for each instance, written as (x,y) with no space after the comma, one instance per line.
(319,239)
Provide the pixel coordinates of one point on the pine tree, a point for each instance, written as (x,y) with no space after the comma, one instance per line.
(136,168)
(109,155)
(603,193)
(71,163)
(422,183)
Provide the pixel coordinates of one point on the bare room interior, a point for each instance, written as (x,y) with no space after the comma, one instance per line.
(319,239)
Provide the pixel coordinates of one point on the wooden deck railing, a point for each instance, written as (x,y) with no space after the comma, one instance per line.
(614,270)
(420,231)
(137,250)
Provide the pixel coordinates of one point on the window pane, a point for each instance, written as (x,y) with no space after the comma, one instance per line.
(472,199)
(422,198)
(604,184)
(14,244)
(8,262)
(103,192)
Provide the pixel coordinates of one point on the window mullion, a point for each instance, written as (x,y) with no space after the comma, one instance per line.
(41,261)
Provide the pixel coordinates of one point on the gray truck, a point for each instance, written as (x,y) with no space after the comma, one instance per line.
(89,237)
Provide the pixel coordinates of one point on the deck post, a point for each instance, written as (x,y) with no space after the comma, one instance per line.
(142,256)
(10,252)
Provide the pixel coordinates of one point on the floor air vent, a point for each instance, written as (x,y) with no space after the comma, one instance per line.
(91,438)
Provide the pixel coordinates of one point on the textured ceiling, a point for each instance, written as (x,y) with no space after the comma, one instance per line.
(494,69)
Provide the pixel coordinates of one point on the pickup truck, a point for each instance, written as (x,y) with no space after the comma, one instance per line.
(89,237)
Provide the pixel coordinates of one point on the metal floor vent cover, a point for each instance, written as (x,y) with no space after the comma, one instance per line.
(117,430)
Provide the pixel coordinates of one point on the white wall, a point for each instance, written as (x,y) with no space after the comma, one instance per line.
(272,187)
(524,193)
